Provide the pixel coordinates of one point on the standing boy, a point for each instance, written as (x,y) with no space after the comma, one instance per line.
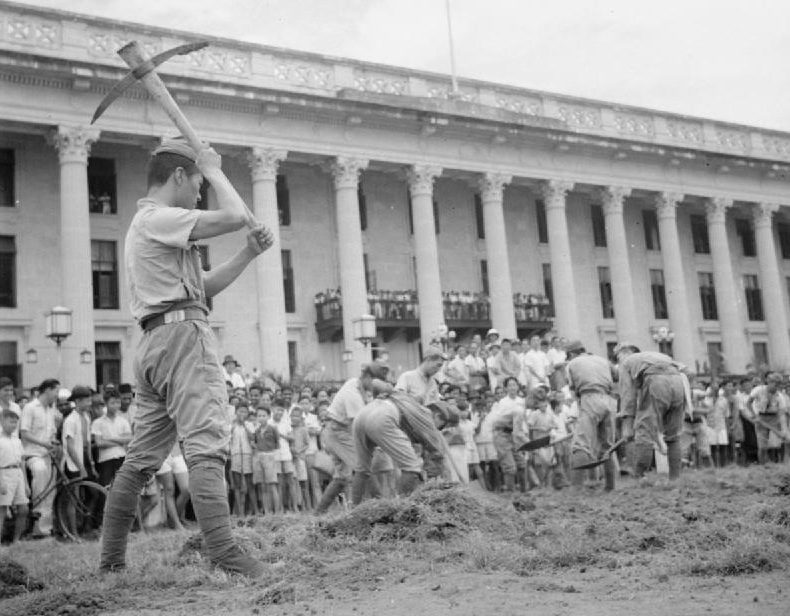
(13,485)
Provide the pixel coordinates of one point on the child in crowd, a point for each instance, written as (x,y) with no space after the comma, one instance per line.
(266,440)
(541,422)
(241,462)
(14,490)
(111,434)
(289,489)
(300,442)
(467,426)
(484,441)
(456,445)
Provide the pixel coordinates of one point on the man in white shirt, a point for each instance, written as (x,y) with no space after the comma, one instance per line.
(112,433)
(420,383)
(457,371)
(232,373)
(536,364)
(76,435)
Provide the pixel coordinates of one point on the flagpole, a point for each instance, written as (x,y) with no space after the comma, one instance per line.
(454,91)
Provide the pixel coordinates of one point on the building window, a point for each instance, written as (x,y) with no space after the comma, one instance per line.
(754,298)
(104,264)
(598,226)
(699,234)
(205,264)
(108,363)
(7,271)
(9,364)
(745,231)
(548,290)
(370,275)
(543,229)
(479,218)
(102,196)
(665,347)
(605,288)
(484,275)
(659,294)
(293,360)
(411,212)
(760,351)
(650,224)
(203,202)
(7,198)
(784,239)
(363,207)
(288,282)
(707,296)
(436,216)
(283,201)
(715,358)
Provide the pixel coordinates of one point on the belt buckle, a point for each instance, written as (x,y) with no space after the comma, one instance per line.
(175,316)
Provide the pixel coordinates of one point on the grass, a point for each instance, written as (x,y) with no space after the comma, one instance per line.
(712,523)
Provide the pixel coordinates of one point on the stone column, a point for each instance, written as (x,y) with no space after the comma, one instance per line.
(349,247)
(270,297)
(772,285)
(728,300)
(566,320)
(625,315)
(73,144)
(674,279)
(499,284)
(426,252)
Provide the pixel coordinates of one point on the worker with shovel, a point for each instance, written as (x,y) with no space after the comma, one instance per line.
(590,378)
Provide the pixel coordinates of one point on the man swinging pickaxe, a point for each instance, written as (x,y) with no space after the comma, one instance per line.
(143,71)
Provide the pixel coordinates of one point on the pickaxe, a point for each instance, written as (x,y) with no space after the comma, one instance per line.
(143,70)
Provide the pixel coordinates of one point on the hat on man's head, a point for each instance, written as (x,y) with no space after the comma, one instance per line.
(774,377)
(376,370)
(125,388)
(79,392)
(434,352)
(622,346)
(64,394)
(229,360)
(492,332)
(574,346)
(177,145)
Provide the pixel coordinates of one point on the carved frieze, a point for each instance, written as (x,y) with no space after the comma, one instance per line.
(733,139)
(520,104)
(690,132)
(634,124)
(779,146)
(581,116)
(380,84)
(305,74)
(30,30)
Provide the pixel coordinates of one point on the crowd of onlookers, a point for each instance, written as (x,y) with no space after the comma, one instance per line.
(277,462)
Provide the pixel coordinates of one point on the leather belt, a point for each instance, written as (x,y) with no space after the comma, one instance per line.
(172,316)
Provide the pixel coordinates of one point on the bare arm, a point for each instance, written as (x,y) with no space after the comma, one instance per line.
(220,277)
(231,213)
(74,454)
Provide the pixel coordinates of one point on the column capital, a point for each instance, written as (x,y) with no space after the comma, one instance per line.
(421,177)
(264,162)
(345,170)
(763,214)
(492,185)
(73,143)
(667,203)
(716,209)
(554,192)
(612,198)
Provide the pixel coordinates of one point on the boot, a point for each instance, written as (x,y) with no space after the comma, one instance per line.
(358,485)
(643,454)
(674,459)
(609,474)
(408,482)
(333,490)
(510,482)
(210,502)
(20,522)
(119,514)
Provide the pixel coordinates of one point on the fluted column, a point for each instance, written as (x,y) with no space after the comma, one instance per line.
(349,247)
(772,286)
(73,144)
(625,315)
(674,279)
(499,283)
(426,252)
(566,320)
(728,300)
(270,298)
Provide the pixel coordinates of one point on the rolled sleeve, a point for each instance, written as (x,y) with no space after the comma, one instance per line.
(171,226)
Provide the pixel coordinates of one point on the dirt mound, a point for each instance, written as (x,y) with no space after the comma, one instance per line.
(15,580)
(434,511)
(58,603)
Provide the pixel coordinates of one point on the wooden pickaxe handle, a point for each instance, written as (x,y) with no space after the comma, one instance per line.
(134,57)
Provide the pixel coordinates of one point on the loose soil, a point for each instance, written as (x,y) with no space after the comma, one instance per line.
(715,542)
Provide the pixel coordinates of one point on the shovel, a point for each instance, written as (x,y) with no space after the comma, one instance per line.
(543,441)
(604,458)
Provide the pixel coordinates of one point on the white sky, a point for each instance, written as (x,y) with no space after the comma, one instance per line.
(721,59)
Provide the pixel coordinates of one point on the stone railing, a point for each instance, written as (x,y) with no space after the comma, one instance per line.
(458,306)
(91,43)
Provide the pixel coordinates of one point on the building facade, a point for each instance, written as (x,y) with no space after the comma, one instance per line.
(390,195)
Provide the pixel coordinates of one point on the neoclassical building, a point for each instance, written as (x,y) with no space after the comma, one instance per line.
(390,195)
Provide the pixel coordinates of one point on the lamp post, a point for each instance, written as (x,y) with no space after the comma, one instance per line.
(58,328)
(663,335)
(364,329)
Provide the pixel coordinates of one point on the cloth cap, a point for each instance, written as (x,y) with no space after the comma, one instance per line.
(574,346)
(376,370)
(229,360)
(433,352)
(774,378)
(64,394)
(492,332)
(125,388)
(177,145)
(79,392)
(625,345)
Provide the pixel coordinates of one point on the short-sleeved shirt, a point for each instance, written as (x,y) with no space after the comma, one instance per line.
(590,373)
(424,389)
(114,428)
(347,403)
(41,422)
(10,450)
(14,408)
(266,438)
(765,403)
(73,427)
(162,264)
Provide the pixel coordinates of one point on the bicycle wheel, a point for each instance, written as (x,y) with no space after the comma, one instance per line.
(79,509)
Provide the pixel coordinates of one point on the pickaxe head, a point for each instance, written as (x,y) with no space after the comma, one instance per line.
(141,68)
